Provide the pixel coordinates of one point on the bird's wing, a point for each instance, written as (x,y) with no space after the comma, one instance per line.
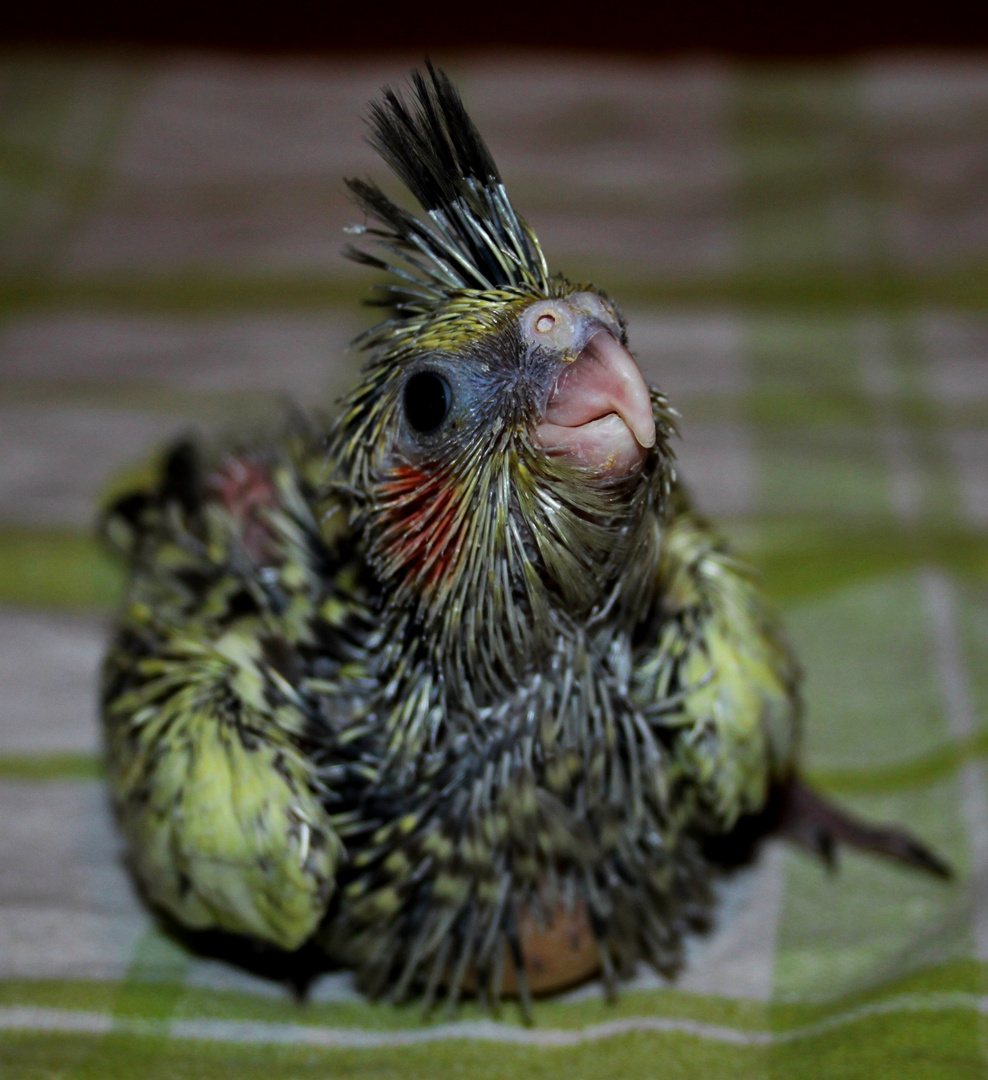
(206,707)
(717,670)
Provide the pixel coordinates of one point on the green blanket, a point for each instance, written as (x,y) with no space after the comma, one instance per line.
(802,255)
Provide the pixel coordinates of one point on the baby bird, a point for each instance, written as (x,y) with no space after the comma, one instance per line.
(458,688)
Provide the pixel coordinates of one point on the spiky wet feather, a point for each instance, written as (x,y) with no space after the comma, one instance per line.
(474,240)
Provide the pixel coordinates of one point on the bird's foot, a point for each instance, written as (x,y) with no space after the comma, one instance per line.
(819,825)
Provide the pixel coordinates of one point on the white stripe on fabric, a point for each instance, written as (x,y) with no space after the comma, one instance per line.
(250,1032)
(941,604)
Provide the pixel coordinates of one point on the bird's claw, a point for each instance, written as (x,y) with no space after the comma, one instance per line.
(819,825)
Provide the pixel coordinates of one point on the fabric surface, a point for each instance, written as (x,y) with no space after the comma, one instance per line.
(802,256)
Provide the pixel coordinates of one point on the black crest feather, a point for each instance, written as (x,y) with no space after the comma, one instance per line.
(473,238)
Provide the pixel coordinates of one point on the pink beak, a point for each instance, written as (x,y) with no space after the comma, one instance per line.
(599,411)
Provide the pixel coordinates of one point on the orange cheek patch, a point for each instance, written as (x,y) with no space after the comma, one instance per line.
(421,524)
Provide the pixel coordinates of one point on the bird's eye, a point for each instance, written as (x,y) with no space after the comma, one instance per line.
(427,401)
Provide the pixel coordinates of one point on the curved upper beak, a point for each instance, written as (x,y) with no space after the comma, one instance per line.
(599,410)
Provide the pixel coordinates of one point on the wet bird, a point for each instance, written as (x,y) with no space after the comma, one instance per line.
(456,688)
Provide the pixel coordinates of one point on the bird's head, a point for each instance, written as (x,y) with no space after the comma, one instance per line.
(505,460)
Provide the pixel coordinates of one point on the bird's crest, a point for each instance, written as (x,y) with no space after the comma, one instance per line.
(472,240)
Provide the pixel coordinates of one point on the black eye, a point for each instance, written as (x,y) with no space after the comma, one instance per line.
(427,401)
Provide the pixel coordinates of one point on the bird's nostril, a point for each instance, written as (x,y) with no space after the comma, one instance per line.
(545,323)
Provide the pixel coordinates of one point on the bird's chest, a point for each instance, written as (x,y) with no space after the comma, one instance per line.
(560,775)
(550,811)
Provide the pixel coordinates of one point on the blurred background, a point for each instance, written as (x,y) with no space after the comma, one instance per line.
(790,205)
